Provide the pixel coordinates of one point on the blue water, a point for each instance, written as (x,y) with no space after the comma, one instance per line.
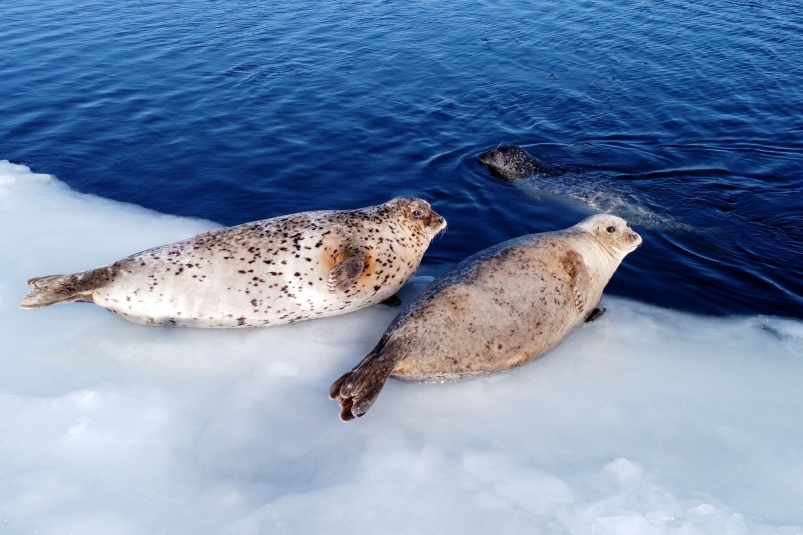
(242,110)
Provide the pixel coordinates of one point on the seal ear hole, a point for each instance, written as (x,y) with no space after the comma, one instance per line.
(611,229)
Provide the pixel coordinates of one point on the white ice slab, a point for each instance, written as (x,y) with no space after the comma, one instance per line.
(646,421)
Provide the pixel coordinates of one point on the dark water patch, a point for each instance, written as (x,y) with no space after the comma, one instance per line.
(236,111)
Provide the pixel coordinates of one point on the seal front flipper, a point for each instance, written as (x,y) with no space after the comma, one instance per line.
(392,301)
(579,278)
(54,289)
(358,389)
(347,270)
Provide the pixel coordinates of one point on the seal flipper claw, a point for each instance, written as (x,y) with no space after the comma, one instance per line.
(345,412)
(346,272)
(595,314)
(334,390)
(392,301)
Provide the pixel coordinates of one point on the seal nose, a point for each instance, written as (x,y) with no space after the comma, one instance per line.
(437,222)
(637,237)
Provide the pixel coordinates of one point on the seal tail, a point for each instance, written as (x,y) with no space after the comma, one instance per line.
(358,389)
(54,289)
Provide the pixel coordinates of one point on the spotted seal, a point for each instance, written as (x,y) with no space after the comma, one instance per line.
(269,272)
(605,194)
(513,163)
(493,311)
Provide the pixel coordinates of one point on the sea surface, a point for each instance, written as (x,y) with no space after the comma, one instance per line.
(241,110)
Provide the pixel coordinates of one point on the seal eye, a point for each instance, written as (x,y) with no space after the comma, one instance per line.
(611,229)
(417,213)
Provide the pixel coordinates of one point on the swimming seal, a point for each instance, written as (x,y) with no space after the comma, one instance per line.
(494,311)
(513,163)
(269,272)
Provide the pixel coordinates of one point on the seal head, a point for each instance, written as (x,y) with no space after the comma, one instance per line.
(418,215)
(612,233)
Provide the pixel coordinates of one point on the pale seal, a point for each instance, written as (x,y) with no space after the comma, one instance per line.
(269,272)
(493,311)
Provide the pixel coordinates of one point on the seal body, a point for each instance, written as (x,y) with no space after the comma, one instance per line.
(495,310)
(268,272)
(513,163)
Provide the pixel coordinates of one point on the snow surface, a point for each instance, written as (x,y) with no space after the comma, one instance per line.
(647,421)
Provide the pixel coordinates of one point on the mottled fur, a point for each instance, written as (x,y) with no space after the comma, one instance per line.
(268,272)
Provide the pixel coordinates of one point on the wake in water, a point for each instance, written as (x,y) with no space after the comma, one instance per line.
(514,164)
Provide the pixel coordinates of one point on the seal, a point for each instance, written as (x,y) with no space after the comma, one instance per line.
(605,194)
(513,163)
(269,272)
(494,311)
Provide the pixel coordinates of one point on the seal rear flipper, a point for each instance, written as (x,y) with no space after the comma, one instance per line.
(55,289)
(347,270)
(358,389)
